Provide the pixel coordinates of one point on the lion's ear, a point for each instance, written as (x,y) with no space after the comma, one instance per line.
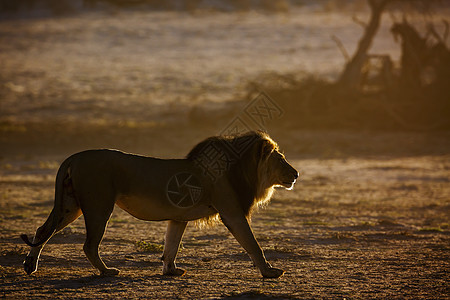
(266,149)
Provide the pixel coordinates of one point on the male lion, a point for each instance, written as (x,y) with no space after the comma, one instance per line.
(222,177)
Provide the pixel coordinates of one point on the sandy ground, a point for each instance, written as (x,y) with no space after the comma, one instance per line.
(368,219)
(353,228)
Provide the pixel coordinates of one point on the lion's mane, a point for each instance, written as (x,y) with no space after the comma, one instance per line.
(245,160)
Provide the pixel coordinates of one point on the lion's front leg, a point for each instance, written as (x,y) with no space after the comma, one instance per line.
(234,219)
(241,230)
(174,233)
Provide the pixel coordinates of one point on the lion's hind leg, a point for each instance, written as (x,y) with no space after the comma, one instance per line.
(70,212)
(96,216)
(30,264)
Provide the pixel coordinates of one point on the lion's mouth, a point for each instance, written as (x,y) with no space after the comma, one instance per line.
(289,185)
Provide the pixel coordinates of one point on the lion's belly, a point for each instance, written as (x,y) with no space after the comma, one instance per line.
(160,209)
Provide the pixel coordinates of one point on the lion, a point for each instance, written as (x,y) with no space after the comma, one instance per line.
(221,178)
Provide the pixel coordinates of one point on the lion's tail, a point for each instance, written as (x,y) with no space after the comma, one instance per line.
(55,214)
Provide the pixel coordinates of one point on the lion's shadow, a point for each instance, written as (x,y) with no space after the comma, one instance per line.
(98,281)
(257,295)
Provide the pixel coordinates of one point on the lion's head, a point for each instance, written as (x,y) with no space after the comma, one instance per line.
(251,162)
(275,170)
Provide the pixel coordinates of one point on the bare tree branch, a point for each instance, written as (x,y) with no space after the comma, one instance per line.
(358,21)
(341,47)
(432,31)
(445,36)
(351,76)
(393,17)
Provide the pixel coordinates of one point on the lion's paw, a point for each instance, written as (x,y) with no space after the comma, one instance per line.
(272,273)
(175,272)
(30,265)
(110,272)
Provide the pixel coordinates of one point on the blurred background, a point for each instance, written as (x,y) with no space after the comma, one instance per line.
(157,76)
